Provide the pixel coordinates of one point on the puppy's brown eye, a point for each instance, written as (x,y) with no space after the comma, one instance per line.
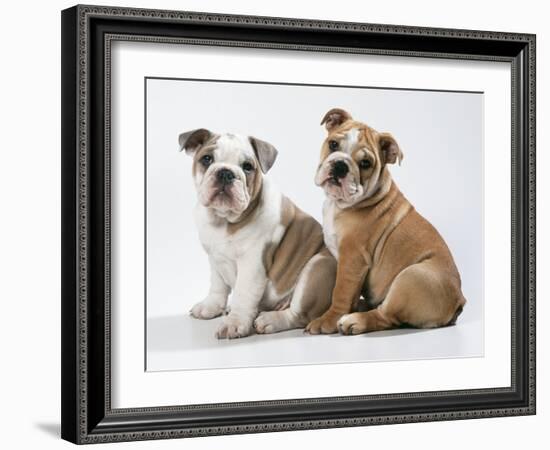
(206,160)
(333,146)
(247,167)
(364,164)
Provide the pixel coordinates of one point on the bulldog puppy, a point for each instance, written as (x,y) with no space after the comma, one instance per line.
(261,247)
(386,251)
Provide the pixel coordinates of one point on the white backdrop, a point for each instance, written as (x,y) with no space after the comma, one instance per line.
(30,229)
(440,134)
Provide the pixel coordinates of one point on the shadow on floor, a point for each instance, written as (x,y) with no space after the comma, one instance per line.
(180,333)
(52,429)
(402,331)
(181,342)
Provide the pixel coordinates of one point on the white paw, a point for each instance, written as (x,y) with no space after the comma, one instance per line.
(342,320)
(348,324)
(270,322)
(264,323)
(234,327)
(207,309)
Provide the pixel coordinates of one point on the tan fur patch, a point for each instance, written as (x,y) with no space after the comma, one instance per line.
(303,238)
(208,148)
(320,283)
(390,239)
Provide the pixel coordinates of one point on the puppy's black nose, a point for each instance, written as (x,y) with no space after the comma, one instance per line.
(225,176)
(339,169)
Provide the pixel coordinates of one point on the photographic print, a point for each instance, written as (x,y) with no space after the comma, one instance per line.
(252,199)
(295,224)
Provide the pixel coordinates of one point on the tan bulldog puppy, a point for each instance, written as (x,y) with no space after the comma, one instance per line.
(386,251)
(261,247)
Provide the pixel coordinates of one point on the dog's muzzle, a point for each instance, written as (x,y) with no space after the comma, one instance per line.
(339,169)
(225,176)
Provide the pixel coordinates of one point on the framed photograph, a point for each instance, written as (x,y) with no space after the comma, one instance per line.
(258,210)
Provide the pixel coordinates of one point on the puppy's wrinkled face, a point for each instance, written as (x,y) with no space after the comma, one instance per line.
(227,169)
(353,157)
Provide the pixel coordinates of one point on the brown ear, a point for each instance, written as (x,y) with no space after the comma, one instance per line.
(265,152)
(390,149)
(190,141)
(335,117)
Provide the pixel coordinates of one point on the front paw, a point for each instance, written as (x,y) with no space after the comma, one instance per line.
(326,324)
(234,327)
(354,323)
(207,309)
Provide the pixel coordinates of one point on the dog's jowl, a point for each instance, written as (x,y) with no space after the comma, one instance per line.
(386,251)
(263,250)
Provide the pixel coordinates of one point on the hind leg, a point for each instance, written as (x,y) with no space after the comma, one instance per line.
(420,296)
(310,299)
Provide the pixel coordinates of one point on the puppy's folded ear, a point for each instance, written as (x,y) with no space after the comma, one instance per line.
(190,141)
(335,117)
(265,152)
(390,149)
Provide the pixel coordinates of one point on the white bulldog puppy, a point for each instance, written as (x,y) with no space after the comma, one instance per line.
(262,248)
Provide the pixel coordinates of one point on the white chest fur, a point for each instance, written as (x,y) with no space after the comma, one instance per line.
(222,252)
(331,239)
(245,246)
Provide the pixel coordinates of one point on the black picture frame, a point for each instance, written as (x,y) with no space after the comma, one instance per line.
(87,32)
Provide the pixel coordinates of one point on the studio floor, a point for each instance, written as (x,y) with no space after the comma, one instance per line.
(180,342)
